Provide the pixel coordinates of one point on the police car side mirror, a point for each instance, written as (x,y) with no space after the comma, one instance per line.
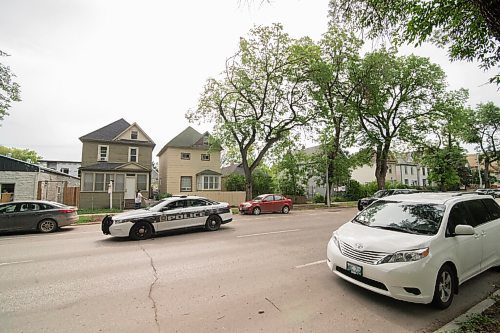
(463,229)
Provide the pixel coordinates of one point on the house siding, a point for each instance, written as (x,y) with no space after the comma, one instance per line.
(117,153)
(172,167)
(26,184)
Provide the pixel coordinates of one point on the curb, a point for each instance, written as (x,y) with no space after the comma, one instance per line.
(478,308)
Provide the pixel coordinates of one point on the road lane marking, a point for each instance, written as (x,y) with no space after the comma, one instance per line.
(268,233)
(49,236)
(14,262)
(312,263)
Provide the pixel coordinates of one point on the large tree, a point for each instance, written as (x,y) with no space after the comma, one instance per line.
(9,90)
(328,65)
(260,98)
(395,95)
(469,28)
(484,131)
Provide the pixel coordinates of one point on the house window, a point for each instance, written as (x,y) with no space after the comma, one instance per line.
(411,170)
(406,181)
(99,182)
(205,157)
(142,182)
(207,182)
(133,135)
(390,168)
(406,170)
(423,172)
(65,170)
(205,140)
(132,154)
(424,182)
(185,156)
(109,178)
(186,183)
(102,154)
(7,192)
(120,183)
(88,181)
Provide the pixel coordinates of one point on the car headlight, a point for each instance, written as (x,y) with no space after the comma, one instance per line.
(335,240)
(120,221)
(405,256)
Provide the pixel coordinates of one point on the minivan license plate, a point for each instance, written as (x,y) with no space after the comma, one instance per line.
(354,269)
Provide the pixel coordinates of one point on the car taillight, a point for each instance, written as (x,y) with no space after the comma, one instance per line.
(66,211)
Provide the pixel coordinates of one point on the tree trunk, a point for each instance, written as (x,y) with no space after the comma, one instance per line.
(248,182)
(490,11)
(487,173)
(381,168)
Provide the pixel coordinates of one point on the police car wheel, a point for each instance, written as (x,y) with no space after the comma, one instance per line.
(140,231)
(213,223)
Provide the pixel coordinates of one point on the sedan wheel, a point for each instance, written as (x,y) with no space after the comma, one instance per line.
(47,226)
(445,287)
(256,211)
(213,223)
(285,210)
(140,231)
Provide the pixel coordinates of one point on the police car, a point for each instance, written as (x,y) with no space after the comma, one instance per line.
(170,213)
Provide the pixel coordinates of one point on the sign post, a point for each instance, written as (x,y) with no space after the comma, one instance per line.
(110,192)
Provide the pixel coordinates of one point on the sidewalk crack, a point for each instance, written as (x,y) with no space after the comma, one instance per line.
(150,294)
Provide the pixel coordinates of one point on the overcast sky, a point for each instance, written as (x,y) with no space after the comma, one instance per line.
(83,64)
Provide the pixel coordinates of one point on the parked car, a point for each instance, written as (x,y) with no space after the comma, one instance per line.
(418,247)
(43,216)
(266,203)
(363,203)
(495,193)
(176,212)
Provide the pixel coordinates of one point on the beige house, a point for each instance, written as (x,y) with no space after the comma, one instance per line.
(119,154)
(187,164)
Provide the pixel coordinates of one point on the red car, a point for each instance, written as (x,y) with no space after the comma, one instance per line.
(266,203)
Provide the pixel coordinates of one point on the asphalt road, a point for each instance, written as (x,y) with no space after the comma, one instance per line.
(260,273)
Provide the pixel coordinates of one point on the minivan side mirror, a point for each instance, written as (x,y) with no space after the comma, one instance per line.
(463,229)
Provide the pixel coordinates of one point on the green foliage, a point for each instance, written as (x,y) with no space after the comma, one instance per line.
(235,182)
(318,198)
(477,323)
(164,195)
(354,191)
(98,211)
(262,181)
(259,100)
(470,29)
(444,164)
(290,173)
(9,90)
(27,155)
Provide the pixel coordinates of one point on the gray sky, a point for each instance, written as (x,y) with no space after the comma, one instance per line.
(83,64)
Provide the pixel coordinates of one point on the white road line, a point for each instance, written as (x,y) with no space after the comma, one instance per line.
(268,233)
(14,262)
(311,264)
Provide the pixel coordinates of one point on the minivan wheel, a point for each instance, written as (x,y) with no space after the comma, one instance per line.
(256,211)
(141,231)
(47,226)
(445,287)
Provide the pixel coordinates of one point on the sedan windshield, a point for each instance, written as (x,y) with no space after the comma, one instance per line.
(408,217)
(380,194)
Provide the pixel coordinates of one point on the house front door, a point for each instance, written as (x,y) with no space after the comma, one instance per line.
(130,188)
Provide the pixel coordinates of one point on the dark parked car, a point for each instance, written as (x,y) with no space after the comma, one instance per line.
(495,193)
(266,203)
(363,203)
(43,216)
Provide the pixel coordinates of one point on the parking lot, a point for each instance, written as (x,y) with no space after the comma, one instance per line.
(258,273)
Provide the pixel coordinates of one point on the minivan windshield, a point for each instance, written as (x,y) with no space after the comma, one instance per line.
(408,217)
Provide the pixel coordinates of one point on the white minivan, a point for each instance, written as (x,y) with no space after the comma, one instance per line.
(418,247)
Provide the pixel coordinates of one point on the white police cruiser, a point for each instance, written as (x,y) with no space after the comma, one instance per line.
(170,213)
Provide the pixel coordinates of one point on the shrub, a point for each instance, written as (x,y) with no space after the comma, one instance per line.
(165,195)
(318,198)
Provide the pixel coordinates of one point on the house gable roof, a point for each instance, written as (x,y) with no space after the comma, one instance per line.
(137,127)
(189,138)
(108,132)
